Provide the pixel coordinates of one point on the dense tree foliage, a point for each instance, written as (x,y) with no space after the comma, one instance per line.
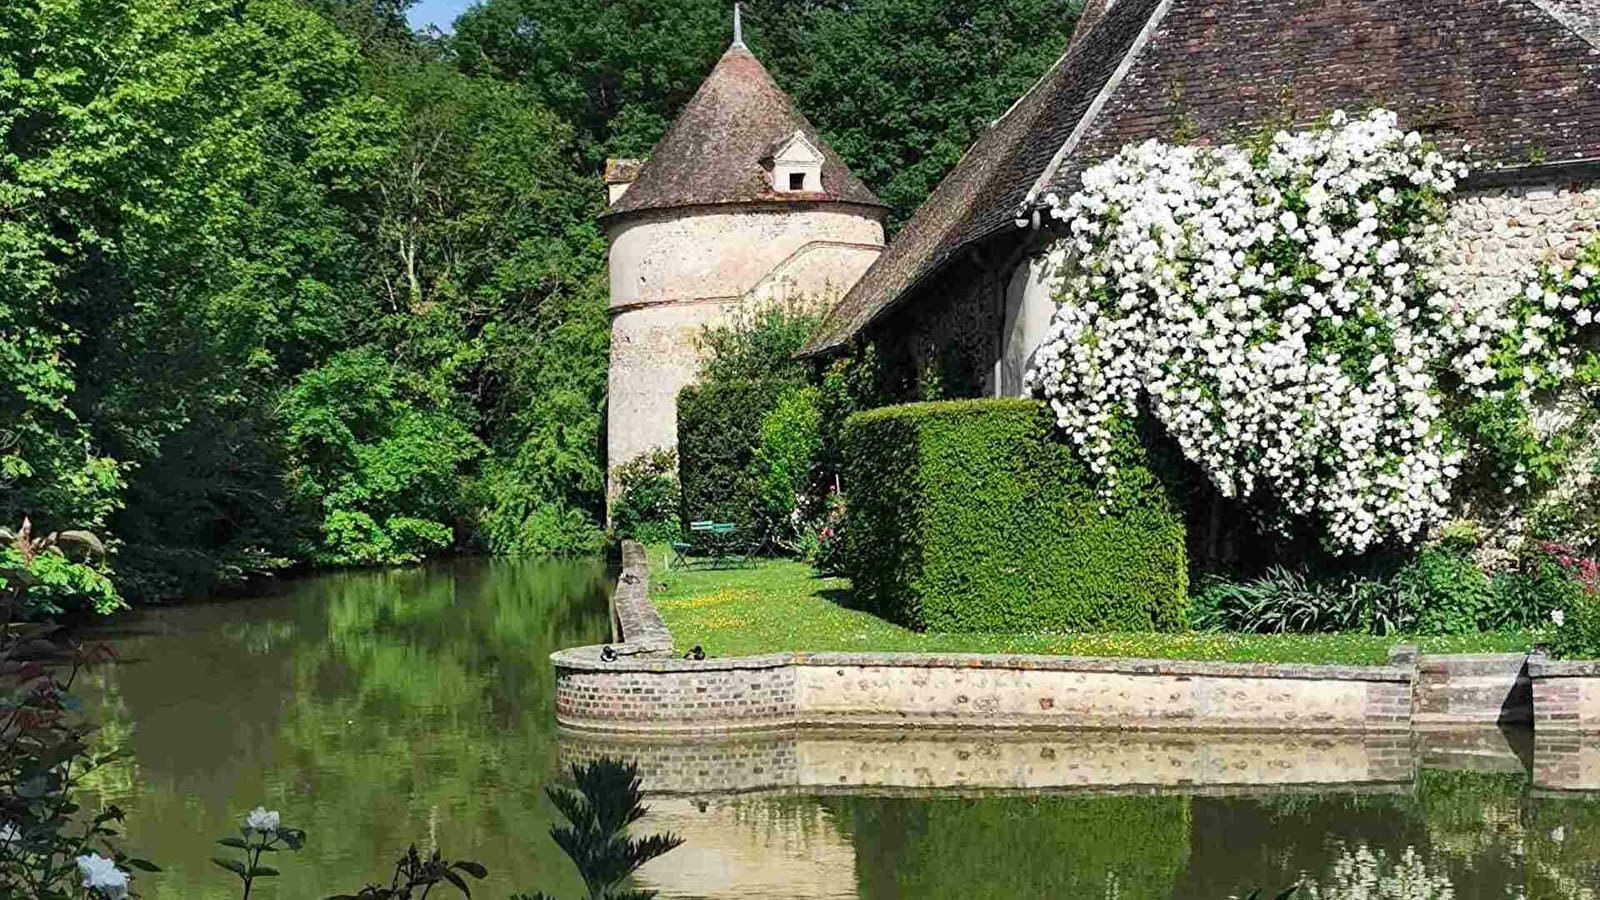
(899,87)
(281,281)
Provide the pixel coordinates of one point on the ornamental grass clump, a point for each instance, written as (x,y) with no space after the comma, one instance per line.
(1280,311)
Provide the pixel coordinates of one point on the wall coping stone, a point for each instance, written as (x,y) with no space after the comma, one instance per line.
(1542,666)
(588,659)
(644,632)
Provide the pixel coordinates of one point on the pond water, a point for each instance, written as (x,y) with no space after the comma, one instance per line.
(376,709)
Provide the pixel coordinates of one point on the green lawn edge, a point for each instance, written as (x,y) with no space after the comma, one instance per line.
(784,606)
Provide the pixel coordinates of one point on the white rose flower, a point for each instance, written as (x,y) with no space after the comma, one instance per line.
(1559,617)
(102,875)
(263,820)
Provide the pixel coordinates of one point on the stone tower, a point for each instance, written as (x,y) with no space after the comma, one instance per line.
(741,203)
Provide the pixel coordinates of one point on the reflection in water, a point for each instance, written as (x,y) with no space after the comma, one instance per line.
(380,708)
(1364,874)
(373,708)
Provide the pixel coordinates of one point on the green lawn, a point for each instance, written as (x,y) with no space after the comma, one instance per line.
(783,606)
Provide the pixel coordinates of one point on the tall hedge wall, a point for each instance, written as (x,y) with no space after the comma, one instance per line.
(971,516)
(719,432)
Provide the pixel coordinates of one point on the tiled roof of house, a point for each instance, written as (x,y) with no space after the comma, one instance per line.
(714,152)
(1519,80)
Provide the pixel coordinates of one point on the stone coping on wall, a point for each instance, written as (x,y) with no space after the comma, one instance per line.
(589,659)
(1541,666)
(644,632)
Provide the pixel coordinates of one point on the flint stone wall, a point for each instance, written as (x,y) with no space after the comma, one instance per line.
(1502,234)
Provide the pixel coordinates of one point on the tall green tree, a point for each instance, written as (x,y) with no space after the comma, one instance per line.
(175,244)
(899,87)
(481,247)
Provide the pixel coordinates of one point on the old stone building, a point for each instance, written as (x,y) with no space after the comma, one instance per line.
(959,289)
(740,204)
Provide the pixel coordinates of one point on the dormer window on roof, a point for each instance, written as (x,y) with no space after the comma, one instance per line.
(797,166)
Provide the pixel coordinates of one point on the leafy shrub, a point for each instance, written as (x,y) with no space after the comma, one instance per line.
(376,455)
(818,539)
(735,466)
(1547,578)
(530,527)
(786,460)
(646,507)
(1447,591)
(1567,587)
(1288,601)
(969,516)
(1440,591)
(1577,634)
(719,436)
(39,579)
(760,343)
(45,756)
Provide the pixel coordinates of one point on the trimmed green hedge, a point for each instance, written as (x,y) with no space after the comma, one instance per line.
(972,516)
(719,434)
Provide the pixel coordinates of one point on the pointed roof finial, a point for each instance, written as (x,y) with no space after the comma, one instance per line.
(738,30)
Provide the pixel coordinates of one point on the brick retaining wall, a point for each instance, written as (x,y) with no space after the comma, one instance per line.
(1566,695)
(1480,688)
(970,690)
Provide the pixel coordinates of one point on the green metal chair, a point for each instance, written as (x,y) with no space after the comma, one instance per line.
(747,556)
(722,534)
(683,552)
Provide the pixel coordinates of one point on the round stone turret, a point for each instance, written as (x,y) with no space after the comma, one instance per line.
(740,204)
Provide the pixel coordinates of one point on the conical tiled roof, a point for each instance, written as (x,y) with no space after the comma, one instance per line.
(715,152)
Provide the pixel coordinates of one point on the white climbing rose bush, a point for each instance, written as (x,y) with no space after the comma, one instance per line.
(1277,310)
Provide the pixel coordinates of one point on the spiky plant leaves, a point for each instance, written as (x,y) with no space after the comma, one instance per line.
(608,799)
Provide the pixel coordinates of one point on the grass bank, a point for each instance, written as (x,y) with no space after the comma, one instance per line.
(783,606)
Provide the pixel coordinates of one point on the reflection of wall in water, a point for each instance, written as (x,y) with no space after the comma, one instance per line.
(828,762)
(749,849)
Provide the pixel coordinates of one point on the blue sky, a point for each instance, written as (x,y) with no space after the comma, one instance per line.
(436,12)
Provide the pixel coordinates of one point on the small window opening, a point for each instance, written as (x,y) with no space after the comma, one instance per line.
(797,181)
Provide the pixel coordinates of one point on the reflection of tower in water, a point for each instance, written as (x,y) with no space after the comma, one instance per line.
(750,849)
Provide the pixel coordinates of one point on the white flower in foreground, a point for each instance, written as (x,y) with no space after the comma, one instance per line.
(9,834)
(1559,617)
(263,820)
(1558,833)
(102,874)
